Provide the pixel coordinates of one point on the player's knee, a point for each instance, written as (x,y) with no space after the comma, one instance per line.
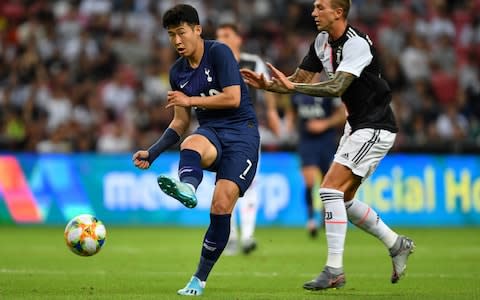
(349,194)
(221,207)
(188,143)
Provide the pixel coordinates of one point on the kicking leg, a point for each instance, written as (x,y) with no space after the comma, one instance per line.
(197,152)
(400,247)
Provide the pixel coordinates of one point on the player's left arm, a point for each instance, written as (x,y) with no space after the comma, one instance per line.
(228,98)
(330,88)
(356,56)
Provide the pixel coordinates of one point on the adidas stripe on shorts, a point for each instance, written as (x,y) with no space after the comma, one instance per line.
(363,150)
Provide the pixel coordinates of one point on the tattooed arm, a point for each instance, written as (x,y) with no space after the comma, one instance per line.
(259,81)
(331,88)
(301,76)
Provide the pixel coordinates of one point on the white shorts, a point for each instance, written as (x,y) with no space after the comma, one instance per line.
(363,150)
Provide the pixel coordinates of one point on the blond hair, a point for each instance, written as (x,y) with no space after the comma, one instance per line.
(343,4)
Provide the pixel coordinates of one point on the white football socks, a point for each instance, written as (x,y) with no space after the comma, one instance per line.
(248,207)
(335,225)
(233,227)
(364,217)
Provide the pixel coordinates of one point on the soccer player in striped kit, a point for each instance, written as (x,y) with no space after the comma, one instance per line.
(348,57)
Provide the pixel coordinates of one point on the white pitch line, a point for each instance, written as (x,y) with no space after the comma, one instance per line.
(231,274)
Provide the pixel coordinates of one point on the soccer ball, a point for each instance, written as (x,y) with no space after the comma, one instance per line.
(85,235)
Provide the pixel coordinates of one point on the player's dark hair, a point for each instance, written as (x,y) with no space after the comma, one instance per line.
(343,4)
(231,26)
(179,14)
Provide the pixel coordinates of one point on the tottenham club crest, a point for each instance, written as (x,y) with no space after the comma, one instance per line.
(207,72)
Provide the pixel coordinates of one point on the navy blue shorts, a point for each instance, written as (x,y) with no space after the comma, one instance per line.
(316,154)
(237,154)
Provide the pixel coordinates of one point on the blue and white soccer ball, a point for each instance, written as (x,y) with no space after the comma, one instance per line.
(85,235)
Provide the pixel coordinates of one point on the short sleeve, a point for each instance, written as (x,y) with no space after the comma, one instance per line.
(311,62)
(225,64)
(356,56)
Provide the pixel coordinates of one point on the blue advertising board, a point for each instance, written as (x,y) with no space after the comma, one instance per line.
(406,190)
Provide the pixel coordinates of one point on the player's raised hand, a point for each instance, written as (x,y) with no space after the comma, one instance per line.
(139,159)
(279,78)
(255,80)
(177,98)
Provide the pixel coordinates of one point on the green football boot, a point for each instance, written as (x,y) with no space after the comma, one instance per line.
(178,190)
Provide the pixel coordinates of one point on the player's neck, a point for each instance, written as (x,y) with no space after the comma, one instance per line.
(195,59)
(337,31)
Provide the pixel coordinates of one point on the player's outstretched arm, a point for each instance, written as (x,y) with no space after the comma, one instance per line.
(143,159)
(280,83)
(259,81)
(140,159)
(301,76)
(330,88)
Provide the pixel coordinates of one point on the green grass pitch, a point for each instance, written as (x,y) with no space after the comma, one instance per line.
(153,262)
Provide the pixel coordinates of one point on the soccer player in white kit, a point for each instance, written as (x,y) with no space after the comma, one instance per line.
(348,57)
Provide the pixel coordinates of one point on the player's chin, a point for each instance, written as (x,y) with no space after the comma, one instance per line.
(182,52)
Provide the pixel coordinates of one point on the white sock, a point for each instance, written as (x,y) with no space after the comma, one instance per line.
(248,207)
(364,217)
(233,226)
(335,225)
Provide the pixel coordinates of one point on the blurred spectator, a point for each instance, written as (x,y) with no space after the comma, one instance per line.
(114,138)
(118,93)
(451,124)
(92,75)
(57,142)
(414,59)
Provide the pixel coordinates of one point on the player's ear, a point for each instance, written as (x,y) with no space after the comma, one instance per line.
(338,13)
(198,29)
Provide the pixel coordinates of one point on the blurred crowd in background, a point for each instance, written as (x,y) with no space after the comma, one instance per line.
(92,75)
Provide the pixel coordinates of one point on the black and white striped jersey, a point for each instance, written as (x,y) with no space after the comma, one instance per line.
(255,63)
(368,97)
